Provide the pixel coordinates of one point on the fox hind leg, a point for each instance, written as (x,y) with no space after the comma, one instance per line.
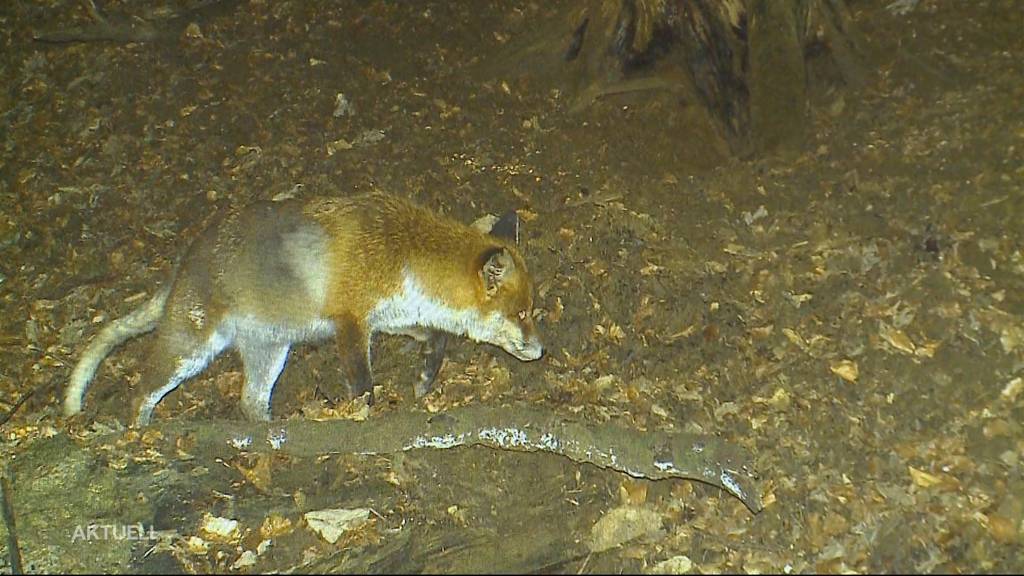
(263,363)
(176,356)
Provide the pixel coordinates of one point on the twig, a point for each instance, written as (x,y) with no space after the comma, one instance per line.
(20,402)
(602,198)
(598,90)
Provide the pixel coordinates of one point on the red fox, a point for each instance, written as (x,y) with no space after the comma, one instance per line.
(277,274)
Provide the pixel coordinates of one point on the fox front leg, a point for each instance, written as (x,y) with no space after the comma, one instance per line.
(433,348)
(354,347)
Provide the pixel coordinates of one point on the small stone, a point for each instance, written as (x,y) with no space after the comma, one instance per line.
(246,560)
(330,524)
(220,529)
(622,525)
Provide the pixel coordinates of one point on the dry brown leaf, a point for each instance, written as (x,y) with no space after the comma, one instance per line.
(275,525)
(845,369)
(650,269)
(896,338)
(484,223)
(151,437)
(726,409)
(602,383)
(555,314)
(1009,327)
(259,474)
(1012,389)
(927,349)
(922,478)
(1002,529)
(632,492)
(797,300)
(684,333)
(780,400)
(794,337)
(338,145)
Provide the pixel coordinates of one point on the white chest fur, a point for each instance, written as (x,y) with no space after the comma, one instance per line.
(412,307)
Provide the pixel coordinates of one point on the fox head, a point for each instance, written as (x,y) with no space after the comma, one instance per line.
(487,296)
(508,304)
(507,291)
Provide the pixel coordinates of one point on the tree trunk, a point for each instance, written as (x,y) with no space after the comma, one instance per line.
(746,63)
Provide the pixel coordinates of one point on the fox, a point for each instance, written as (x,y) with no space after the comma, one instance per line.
(274,274)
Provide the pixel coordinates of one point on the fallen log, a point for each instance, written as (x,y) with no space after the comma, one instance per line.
(642,454)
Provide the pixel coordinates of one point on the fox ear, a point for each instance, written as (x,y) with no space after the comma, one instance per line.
(498,266)
(507,227)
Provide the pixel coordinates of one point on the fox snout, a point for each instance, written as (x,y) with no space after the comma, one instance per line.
(511,336)
(521,340)
(526,350)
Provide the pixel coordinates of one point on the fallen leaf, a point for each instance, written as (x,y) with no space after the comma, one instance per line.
(1002,529)
(845,369)
(275,525)
(795,338)
(1012,389)
(896,338)
(922,478)
(633,492)
(927,349)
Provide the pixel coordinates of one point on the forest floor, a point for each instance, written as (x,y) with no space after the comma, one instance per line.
(851,314)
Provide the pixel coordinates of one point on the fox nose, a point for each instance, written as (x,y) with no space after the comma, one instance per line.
(533,350)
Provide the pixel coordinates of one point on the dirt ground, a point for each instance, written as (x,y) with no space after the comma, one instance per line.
(852,314)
